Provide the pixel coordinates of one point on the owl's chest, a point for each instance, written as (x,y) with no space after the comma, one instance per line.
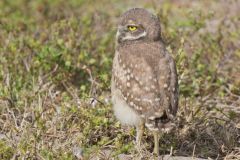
(132,70)
(120,71)
(120,79)
(124,113)
(139,53)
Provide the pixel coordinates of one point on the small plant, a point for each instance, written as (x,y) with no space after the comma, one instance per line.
(55,67)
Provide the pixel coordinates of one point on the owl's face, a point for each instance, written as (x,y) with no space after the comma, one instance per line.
(131,31)
(137,24)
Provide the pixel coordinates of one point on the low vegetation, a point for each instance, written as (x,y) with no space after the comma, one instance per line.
(55,71)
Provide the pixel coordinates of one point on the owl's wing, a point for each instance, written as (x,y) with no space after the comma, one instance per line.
(168,84)
(173,86)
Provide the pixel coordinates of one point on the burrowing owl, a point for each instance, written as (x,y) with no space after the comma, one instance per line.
(144,77)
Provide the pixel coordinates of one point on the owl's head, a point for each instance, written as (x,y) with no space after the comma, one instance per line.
(138,24)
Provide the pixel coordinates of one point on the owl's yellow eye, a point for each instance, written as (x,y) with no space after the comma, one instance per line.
(132,28)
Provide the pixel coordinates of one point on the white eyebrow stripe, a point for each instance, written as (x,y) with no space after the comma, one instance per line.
(134,38)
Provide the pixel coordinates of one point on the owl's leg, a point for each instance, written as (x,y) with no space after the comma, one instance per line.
(140,131)
(156,136)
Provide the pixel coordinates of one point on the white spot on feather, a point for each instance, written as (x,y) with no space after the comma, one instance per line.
(152,117)
(165,85)
(131,75)
(147,89)
(131,104)
(137,99)
(158,113)
(149,125)
(152,86)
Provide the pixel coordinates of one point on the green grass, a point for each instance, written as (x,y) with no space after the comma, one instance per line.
(56,56)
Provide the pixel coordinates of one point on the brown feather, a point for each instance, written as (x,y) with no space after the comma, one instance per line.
(145,74)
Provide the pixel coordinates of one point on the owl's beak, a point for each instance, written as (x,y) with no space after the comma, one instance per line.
(120,33)
(122,29)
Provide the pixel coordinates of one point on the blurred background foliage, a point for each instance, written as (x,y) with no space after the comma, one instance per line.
(55,72)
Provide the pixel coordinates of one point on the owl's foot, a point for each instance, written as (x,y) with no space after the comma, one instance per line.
(156,135)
